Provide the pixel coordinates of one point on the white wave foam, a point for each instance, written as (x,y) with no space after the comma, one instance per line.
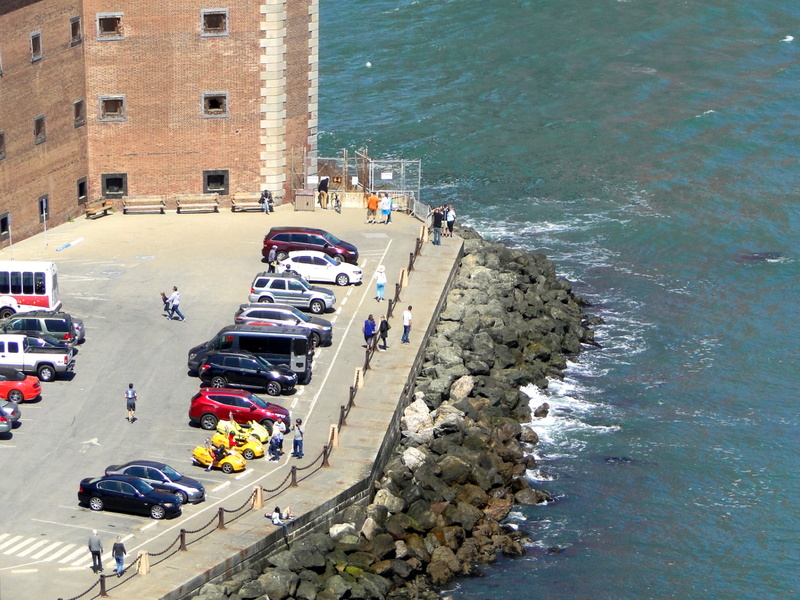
(704,113)
(788,38)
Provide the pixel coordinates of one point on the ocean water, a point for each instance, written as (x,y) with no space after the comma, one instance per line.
(651,150)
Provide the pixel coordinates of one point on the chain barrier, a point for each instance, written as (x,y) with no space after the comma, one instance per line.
(84,593)
(279,486)
(246,502)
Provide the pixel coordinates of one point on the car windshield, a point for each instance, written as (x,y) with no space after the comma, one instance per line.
(300,315)
(264,363)
(141,486)
(304,283)
(171,473)
(257,401)
(330,261)
(332,238)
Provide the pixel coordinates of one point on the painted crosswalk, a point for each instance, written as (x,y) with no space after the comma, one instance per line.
(44,550)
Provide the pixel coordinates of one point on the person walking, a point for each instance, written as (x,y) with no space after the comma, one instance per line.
(118,552)
(380,283)
(407,317)
(130,401)
(437,226)
(372,208)
(386,208)
(265,200)
(369,330)
(96,550)
(282,428)
(174,302)
(272,259)
(450,220)
(383,332)
(322,191)
(297,444)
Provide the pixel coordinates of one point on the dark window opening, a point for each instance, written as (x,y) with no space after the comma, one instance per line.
(75,31)
(39,130)
(5,226)
(115,185)
(112,108)
(215,181)
(82,190)
(215,104)
(2,145)
(44,208)
(36,46)
(215,23)
(79,112)
(109,27)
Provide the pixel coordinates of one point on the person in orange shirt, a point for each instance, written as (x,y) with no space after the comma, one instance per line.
(372,208)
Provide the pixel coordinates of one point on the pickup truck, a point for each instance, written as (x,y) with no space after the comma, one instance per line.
(16,352)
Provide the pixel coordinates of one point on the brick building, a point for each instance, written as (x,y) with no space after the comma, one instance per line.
(106,98)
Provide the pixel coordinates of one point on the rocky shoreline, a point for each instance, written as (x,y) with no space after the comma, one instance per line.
(461,464)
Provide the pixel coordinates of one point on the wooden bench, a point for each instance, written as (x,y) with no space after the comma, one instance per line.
(196,202)
(143,204)
(244,202)
(98,207)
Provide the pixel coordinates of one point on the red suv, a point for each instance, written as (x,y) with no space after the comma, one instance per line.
(211,405)
(288,239)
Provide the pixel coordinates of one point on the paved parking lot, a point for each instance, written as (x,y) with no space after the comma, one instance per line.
(112,279)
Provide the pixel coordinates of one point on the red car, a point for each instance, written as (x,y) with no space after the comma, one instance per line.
(211,405)
(17,387)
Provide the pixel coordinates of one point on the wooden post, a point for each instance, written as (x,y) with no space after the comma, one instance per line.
(144,562)
(258,497)
(103,587)
(221,514)
(183,541)
(333,435)
(294,477)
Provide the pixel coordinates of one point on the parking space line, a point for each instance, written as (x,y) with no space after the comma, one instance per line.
(71,557)
(148,526)
(20,546)
(221,486)
(23,571)
(247,472)
(63,550)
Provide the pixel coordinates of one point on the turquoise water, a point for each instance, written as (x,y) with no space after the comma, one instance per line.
(650,149)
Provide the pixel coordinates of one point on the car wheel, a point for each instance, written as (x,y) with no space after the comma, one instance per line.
(218,381)
(274,388)
(227,468)
(316,306)
(249,454)
(181,497)
(316,340)
(15,396)
(209,422)
(338,258)
(158,512)
(46,372)
(265,299)
(281,255)
(342,279)
(268,423)
(95,503)
(5,313)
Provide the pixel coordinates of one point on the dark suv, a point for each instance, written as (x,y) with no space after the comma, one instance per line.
(288,239)
(59,325)
(223,369)
(282,314)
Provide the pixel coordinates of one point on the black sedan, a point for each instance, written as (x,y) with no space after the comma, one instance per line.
(127,494)
(162,477)
(239,369)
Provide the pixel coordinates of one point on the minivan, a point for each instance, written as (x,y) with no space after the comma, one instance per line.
(277,344)
(286,239)
(59,325)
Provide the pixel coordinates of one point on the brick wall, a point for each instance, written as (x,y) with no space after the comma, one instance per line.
(29,89)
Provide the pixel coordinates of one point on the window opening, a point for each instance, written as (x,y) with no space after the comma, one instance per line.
(5,227)
(44,208)
(2,145)
(36,46)
(39,130)
(215,181)
(81,190)
(75,31)
(112,108)
(215,22)
(79,112)
(215,104)
(109,27)
(115,185)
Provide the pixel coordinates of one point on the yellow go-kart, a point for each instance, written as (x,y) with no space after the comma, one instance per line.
(229,463)
(253,428)
(248,447)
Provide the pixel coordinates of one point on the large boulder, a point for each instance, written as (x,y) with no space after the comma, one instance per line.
(416,416)
(393,503)
(279,584)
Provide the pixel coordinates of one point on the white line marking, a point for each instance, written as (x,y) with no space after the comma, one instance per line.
(30,549)
(148,526)
(13,540)
(46,550)
(70,568)
(25,571)
(63,550)
(20,546)
(71,557)
(221,486)
(245,473)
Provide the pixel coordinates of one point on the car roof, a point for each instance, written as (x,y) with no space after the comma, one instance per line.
(268,305)
(144,463)
(266,329)
(44,313)
(8,371)
(316,253)
(279,275)
(225,390)
(115,477)
(289,228)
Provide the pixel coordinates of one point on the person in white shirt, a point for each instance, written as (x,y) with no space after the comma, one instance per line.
(406,325)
